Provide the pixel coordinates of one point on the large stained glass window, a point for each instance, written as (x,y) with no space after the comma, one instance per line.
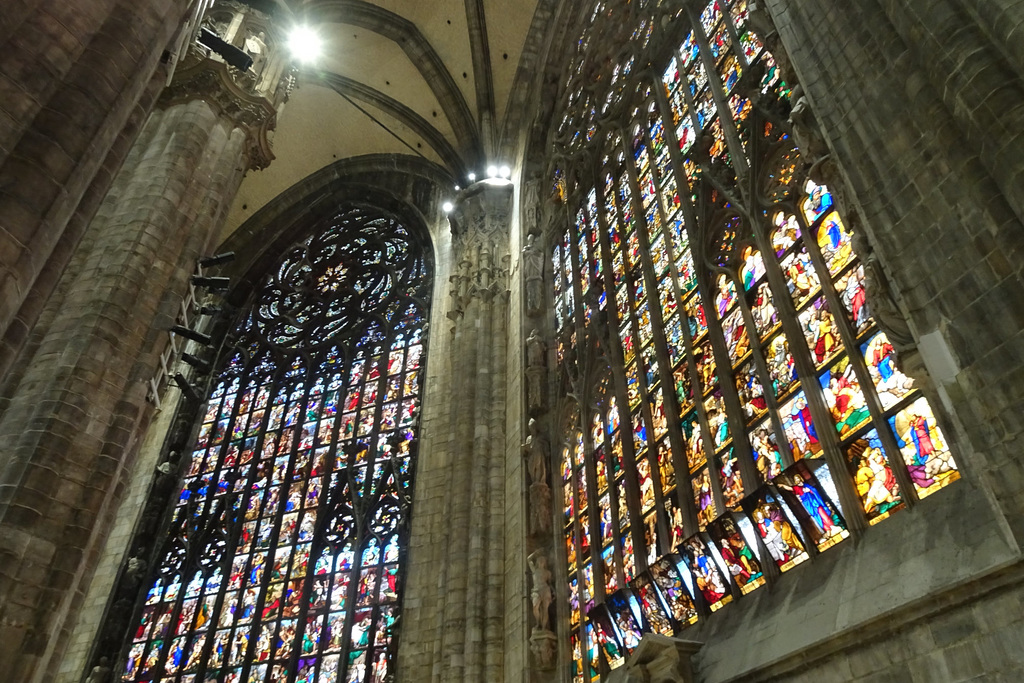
(283,561)
(752,415)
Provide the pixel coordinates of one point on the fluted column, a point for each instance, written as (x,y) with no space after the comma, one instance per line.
(77,415)
(468,609)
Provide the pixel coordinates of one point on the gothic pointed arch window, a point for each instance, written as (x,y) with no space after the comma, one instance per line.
(760,417)
(284,554)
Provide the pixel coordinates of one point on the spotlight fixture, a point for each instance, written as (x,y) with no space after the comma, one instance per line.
(211,283)
(187,391)
(198,363)
(305,44)
(198,337)
(472,177)
(492,171)
(448,206)
(505,172)
(218,259)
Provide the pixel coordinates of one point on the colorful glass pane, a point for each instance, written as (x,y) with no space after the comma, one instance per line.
(706,574)
(300,477)
(777,531)
(876,484)
(751,393)
(925,451)
(891,384)
(835,242)
(852,291)
(819,327)
(668,577)
(767,457)
(800,429)
(843,397)
(805,496)
(737,553)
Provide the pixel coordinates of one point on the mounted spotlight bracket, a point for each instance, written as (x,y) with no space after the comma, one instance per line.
(199,337)
(231,54)
(186,389)
(212,283)
(196,362)
(210,310)
(217,259)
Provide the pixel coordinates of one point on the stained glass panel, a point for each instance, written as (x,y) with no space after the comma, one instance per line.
(286,541)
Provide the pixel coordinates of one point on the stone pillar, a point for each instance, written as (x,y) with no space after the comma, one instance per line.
(71,77)
(454,625)
(79,411)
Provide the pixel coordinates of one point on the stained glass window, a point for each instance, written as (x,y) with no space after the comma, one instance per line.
(284,556)
(760,417)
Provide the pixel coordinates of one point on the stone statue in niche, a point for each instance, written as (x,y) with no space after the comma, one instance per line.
(536,452)
(533,273)
(881,300)
(541,593)
(100,673)
(540,507)
(535,363)
(806,131)
(256,47)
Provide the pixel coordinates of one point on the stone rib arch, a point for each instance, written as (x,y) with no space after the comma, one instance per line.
(423,56)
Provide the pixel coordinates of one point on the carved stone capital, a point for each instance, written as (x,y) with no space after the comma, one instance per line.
(482,213)
(480,224)
(659,659)
(212,82)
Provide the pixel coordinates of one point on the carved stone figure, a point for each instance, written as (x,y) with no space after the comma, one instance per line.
(256,47)
(535,352)
(100,673)
(806,132)
(540,507)
(541,593)
(880,297)
(535,450)
(531,208)
(533,273)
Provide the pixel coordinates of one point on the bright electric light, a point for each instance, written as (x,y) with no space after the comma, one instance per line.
(492,171)
(304,43)
(457,188)
(448,206)
(472,177)
(505,172)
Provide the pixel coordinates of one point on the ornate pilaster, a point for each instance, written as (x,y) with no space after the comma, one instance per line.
(471,612)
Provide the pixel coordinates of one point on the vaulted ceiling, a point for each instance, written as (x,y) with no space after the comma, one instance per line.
(426,77)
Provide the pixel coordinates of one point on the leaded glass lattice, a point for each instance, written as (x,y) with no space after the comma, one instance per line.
(284,555)
(753,414)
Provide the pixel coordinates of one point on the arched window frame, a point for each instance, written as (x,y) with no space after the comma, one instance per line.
(323,365)
(590,141)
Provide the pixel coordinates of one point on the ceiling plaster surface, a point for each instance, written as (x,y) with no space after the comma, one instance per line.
(443,23)
(316,128)
(508,23)
(381,64)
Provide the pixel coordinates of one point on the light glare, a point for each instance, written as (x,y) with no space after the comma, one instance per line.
(305,44)
(505,172)
(448,206)
(492,171)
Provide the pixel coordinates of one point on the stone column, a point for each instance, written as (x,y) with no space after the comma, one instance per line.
(77,415)
(72,75)
(456,595)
